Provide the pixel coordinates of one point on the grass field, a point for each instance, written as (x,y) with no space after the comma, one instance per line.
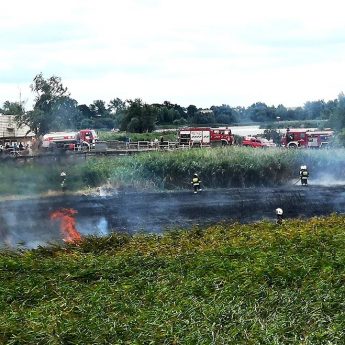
(225,284)
(217,167)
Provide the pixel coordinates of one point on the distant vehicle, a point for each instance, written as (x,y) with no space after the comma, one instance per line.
(199,136)
(303,138)
(85,138)
(257,142)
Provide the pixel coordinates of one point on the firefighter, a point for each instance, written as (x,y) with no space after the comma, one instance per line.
(279,214)
(63,181)
(196,183)
(304,174)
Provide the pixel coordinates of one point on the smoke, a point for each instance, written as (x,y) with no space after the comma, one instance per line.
(327,179)
(28,221)
(96,225)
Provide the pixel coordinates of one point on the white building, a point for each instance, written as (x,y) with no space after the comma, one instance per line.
(11,133)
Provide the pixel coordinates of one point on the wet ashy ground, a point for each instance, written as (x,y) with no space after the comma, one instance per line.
(28,221)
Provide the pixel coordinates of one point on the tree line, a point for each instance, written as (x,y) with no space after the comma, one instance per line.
(54,109)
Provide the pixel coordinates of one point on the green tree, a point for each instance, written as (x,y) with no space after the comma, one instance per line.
(315,110)
(191,111)
(224,114)
(99,108)
(116,109)
(139,117)
(281,113)
(12,108)
(53,108)
(204,117)
(260,112)
(65,114)
(337,118)
(85,111)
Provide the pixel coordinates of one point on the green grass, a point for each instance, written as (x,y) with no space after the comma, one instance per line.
(225,284)
(218,168)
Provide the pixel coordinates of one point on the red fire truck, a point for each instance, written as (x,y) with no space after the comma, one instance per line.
(85,138)
(294,138)
(204,136)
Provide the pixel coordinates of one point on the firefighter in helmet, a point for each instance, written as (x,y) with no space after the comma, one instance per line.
(279,214)
(304,174)
(63,181)
(196,183)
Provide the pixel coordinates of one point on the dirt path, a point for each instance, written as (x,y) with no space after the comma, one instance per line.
(28,221)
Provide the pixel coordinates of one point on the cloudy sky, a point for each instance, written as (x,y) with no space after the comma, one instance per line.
(184,51)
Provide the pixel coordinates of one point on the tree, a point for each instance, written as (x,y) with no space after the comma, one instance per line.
(337,119)
(204,117)
(85,111)
(314,110)
(116,109)
(260,112)
(224,114)
(53,107)
(65,114)
(12,108)
(281,113)
(139,117)
(191,111)
(99,108)
(116,105)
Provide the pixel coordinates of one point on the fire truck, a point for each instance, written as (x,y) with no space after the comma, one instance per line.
(85,138)
(303,138)
(205,136)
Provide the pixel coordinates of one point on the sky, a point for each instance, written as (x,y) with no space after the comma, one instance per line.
(186,52)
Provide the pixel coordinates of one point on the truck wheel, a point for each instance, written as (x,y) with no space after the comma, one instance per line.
(292,146)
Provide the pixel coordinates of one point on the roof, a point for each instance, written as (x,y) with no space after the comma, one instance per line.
(10,129)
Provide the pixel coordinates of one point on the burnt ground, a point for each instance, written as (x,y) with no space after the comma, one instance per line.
(28,222)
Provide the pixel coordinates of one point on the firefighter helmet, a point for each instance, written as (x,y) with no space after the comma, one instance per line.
(279,211)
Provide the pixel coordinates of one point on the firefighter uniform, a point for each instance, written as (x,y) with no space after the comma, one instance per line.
(279,213)
(196,183)
(63,176)
(304,174)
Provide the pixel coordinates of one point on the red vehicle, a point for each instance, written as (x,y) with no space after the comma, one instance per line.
(205,136)
(70,140)
(257,142)
(294,138)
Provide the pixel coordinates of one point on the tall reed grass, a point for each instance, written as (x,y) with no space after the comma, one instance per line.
(217,167)
(227,167)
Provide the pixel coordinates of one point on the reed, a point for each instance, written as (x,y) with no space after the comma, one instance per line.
(218,168)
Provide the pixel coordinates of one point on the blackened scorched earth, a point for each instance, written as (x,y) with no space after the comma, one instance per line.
(28,222)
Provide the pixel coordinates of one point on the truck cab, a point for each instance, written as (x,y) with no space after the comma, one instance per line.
(88,137)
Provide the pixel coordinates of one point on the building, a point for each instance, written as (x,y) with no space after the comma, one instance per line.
(11,133)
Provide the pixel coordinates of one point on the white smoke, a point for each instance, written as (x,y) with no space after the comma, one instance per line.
(327,180)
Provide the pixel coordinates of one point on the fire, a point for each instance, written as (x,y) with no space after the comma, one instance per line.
(67,224)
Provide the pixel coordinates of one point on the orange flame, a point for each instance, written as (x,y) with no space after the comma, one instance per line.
(67,224)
